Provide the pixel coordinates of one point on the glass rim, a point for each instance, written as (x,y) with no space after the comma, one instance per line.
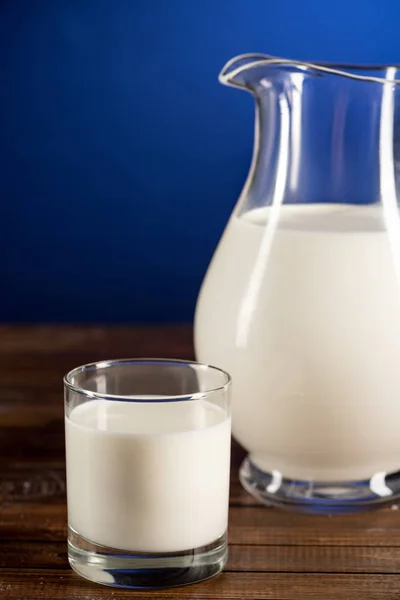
(244,62)
(110,363)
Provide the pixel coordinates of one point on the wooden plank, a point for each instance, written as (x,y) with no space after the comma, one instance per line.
(40,482)
(42,478)
(19,444)
(238,495)
(32,416)
(49,423)
(37,341)
(40,448)
(37,522)
(63,585)
(32,466)
(265,559)
(313,559)
(33,555)
(247,526)
(251,525)
(37,357)
(23,442)
(32,453)
(32,485)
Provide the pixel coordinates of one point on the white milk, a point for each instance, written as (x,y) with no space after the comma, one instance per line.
(148,477)
(307,321)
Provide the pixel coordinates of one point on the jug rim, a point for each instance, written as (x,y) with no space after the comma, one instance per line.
(243,62)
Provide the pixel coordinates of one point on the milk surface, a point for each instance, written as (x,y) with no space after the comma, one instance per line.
(148,477)
(304,312)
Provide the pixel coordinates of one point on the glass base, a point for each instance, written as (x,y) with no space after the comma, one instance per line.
(319,497)
(140,570)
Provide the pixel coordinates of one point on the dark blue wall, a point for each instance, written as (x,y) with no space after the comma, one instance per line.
(121,156)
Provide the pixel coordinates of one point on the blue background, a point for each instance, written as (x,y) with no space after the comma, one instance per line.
(121,156)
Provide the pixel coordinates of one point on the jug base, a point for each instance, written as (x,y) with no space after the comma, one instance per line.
(319,497)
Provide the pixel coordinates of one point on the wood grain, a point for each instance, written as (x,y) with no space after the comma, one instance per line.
(63,343)
(61,585)
(34,475)
(247,525)
(273,554)
(263,559)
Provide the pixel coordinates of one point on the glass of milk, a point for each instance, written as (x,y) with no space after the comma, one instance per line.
(148,458)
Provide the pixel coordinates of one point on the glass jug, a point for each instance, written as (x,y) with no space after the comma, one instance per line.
(301,302)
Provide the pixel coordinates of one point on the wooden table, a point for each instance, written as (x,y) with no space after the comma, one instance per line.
(273,554)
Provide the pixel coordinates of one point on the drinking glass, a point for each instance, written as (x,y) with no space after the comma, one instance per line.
(148,457)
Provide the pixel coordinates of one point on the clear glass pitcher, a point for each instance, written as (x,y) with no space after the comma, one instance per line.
(301,302)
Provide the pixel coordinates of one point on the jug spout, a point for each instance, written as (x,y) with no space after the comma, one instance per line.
(239,71)
(248,71)
(252,71)
(323,132)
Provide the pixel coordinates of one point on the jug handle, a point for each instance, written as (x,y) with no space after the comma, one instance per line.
(240,63)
